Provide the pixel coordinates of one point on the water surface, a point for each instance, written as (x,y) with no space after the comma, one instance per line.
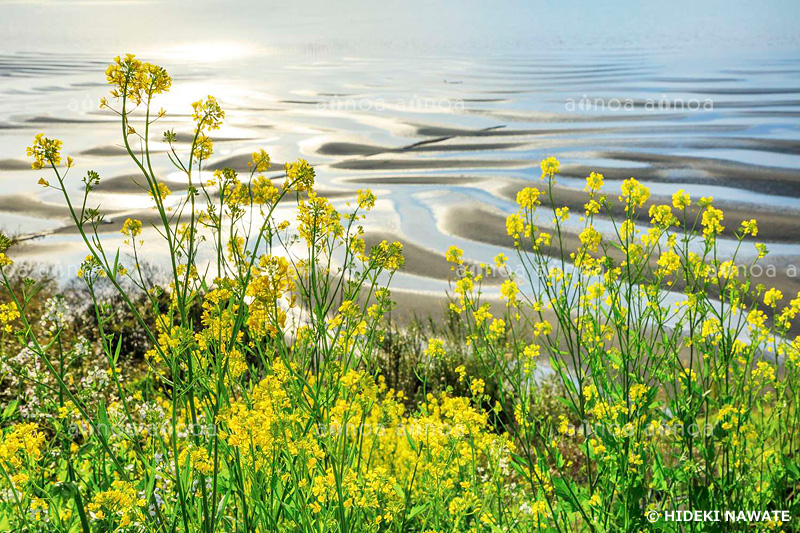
(444,110)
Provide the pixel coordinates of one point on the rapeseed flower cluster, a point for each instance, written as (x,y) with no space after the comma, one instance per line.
(264,402)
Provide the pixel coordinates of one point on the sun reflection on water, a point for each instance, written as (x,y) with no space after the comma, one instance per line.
(207,51)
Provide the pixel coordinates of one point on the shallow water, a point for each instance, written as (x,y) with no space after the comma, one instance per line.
(443,111)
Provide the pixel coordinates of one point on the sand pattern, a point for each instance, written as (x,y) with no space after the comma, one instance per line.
(445,145)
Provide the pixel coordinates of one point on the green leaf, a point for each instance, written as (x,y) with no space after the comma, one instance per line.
(10,408)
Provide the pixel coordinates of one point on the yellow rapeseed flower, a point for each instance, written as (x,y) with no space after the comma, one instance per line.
(750,227)
(550,167)
(435,349)
(528,198)
(207,114)
(131,227)
(712,222)
(509,292)
(594,182)
(454,255)
(681,200)
(634,194)
(772,297)
(44,152)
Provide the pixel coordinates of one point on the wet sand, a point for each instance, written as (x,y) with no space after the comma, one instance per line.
(774,224)
(429,164)
(14,164)
(423,262)
(479,224)
(239,164)
(456,161)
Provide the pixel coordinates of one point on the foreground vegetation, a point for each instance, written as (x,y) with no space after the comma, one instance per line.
(271,394)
